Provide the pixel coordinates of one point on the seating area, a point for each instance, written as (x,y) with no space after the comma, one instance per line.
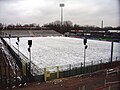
(30,33)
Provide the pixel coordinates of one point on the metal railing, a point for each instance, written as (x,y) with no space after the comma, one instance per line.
(35,70)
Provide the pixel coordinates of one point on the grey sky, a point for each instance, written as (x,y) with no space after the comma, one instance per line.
(82,12)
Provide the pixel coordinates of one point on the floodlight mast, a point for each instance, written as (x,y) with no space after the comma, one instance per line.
(62,5)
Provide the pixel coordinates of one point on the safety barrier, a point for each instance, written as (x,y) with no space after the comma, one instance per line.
(110,86)
(71,70)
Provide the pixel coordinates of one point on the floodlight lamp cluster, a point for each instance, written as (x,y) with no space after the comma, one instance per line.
(62,4)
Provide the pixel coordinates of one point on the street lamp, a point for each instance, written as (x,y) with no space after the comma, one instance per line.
(85,41)
(62,5)
(112,44)
(5,30)
(9,39)
(29,50)
(18,40)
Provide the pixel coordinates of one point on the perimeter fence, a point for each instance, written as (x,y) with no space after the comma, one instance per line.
(78,69)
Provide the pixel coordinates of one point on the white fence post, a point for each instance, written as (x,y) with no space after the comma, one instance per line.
(83,87)
(109,88)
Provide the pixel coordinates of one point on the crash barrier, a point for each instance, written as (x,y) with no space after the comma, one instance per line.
(15,55)
(77,69)
(26,65)
(7,76)
(21,63)
(110,86)
(3,72)
(111,71)
(22,60)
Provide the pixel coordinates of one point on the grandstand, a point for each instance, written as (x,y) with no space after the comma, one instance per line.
(30,33)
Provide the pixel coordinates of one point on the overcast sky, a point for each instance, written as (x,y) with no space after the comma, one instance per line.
(82,12)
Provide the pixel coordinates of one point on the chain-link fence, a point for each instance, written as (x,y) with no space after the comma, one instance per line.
(77,69)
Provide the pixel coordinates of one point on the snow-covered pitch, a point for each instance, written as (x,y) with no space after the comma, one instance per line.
(57,51)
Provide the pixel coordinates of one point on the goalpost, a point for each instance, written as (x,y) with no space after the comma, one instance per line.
(51,72)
